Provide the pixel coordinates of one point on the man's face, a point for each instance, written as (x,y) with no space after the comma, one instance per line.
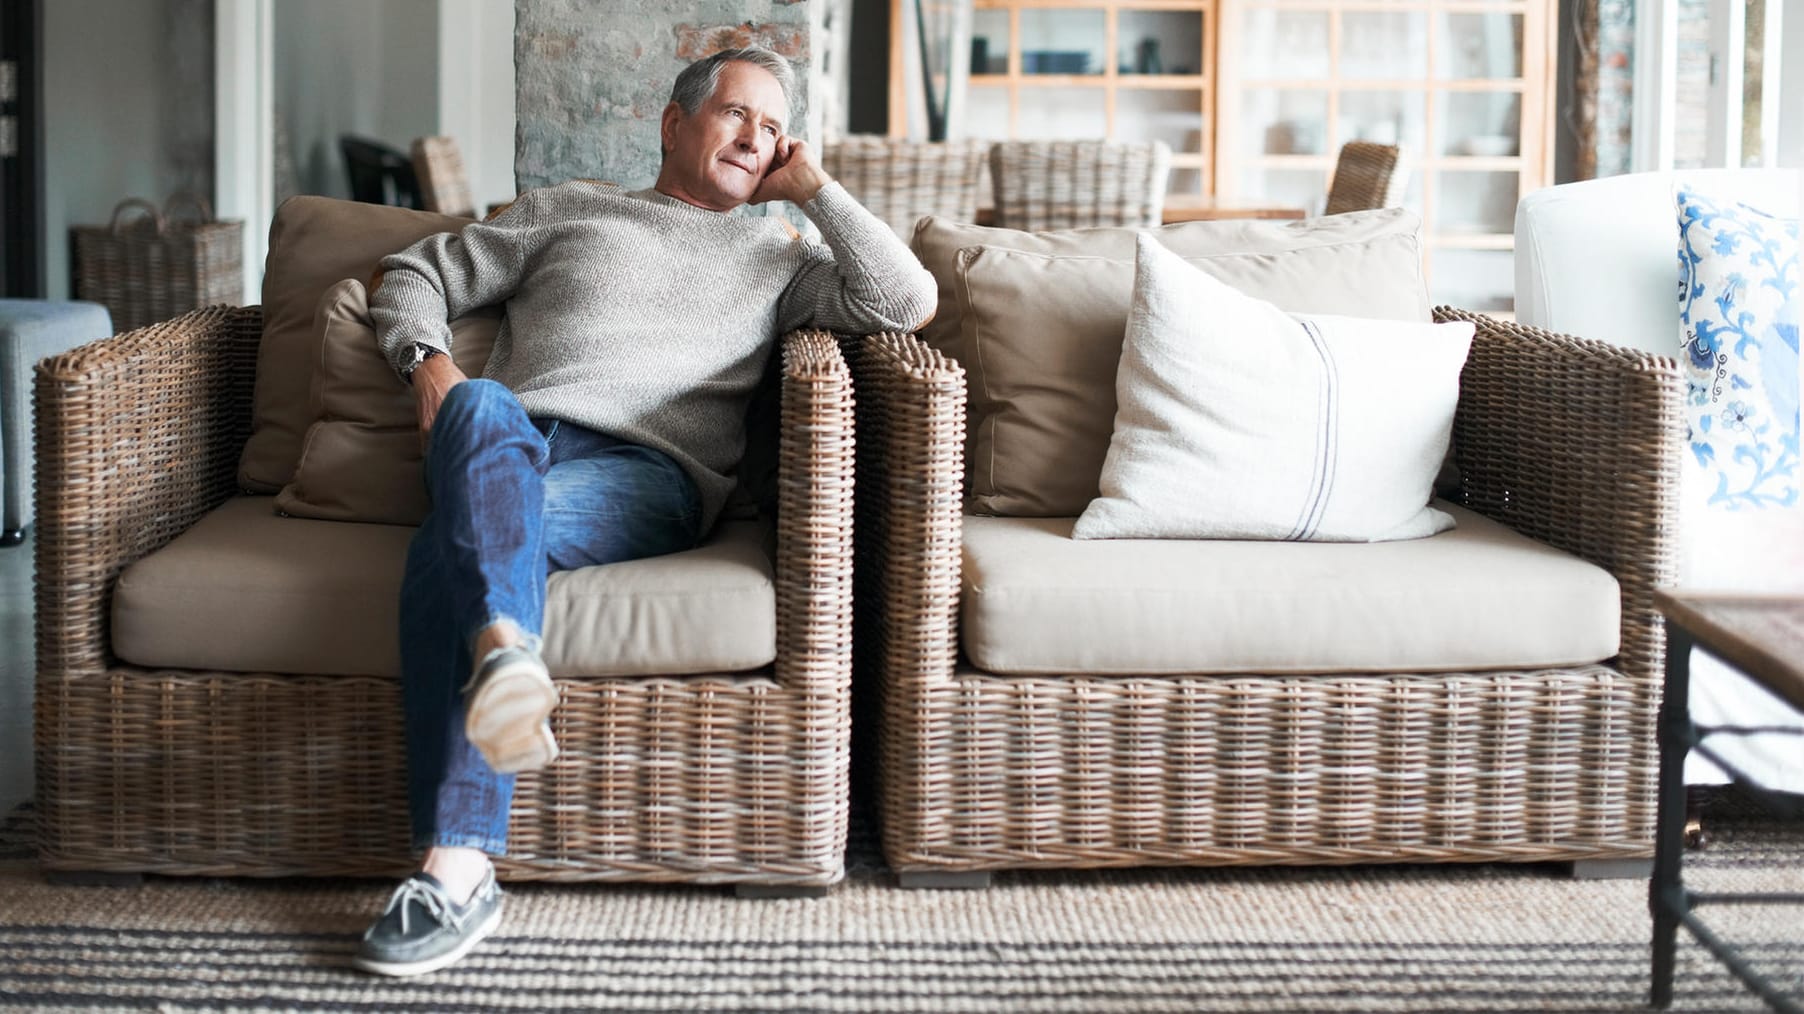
(717,156)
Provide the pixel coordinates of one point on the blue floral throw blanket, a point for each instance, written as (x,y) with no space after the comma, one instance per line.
(1738,309)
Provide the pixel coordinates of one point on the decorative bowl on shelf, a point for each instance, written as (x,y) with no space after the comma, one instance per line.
(1055,61)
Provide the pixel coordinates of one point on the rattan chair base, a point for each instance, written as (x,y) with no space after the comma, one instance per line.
(689,778)
(1088,771)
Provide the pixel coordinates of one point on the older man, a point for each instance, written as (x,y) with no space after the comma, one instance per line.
(608,426)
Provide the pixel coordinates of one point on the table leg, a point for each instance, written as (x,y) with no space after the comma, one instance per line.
(1666,891)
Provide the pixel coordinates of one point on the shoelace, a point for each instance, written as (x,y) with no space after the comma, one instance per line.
(529,643)
(439,906)
(532,644)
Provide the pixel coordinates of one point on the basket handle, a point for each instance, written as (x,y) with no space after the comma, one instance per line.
(139,204)
(191,201)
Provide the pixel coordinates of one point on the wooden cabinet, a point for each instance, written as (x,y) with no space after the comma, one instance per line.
(1126,70)
(1255,98)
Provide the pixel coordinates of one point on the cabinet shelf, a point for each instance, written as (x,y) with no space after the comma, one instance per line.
(1120,70)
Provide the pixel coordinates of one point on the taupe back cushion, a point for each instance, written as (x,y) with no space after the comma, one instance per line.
(1037,321)
(361,456)
(314,243)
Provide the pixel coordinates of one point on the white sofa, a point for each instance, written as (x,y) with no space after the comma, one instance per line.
(1600,259)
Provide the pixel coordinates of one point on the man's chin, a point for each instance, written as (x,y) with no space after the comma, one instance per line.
(736,191)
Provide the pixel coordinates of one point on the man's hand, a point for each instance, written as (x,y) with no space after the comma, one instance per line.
(795,174)
(432,380)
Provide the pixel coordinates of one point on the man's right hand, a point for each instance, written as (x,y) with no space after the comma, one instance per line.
(432,380)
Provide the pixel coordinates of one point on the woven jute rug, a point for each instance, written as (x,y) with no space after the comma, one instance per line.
(1399,938)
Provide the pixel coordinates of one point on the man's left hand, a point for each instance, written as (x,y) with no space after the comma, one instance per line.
(795,174)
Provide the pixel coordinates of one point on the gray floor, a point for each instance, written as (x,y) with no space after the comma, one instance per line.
(15,675)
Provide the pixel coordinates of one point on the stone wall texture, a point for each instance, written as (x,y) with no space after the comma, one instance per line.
(593,76)
(1615,86)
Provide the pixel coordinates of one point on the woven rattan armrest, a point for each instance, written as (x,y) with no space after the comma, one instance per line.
(137,437)
(911,423)
(814,515)
(1577,443)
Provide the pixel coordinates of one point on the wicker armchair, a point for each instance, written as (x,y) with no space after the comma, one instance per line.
(1041,185)
(900,181)
(1567,441)
(1365,177)
(712,778)
(444,185)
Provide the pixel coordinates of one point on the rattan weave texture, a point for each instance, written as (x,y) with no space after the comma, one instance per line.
(900,181)
(1363,174)
(147,266)
(1570,441)
(1041,185)
(706,778)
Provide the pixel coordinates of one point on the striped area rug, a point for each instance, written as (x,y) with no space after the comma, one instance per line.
(1401,938)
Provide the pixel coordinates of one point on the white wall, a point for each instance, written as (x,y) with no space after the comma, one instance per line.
(476,92)
(128,112)
(351,67)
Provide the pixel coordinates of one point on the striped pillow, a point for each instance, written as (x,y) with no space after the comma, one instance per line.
(1236,420)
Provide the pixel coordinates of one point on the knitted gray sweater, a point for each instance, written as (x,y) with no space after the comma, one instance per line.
(646,318)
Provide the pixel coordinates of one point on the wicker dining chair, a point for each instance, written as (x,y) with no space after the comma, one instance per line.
(1041,185)
(444,184)
(900,181)
(1366,176)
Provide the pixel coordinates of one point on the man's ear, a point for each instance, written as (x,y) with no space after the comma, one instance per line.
(667,125)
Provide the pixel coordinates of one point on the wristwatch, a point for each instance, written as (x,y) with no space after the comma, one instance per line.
(421,353)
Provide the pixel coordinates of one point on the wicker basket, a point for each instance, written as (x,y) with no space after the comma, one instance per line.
(147,266)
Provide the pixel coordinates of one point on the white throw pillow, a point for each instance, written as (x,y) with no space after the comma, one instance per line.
(1236,420)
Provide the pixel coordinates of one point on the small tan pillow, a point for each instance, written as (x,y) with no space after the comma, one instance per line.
(313,242)
(360,458)
(1037,320)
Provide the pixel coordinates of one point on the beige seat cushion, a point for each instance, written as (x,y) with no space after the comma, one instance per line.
(1037,321)
(314,243)
(1477,597)
(245,590)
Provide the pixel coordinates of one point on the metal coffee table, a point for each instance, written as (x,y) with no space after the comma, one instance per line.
(1763,636)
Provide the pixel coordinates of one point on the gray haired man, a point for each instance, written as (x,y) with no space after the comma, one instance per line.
(607,426)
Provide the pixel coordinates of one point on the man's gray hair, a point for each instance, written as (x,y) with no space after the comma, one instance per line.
(696,84)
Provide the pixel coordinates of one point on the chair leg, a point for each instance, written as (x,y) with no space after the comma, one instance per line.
(781,890)
(944,880)
(1612,869)
(12,536)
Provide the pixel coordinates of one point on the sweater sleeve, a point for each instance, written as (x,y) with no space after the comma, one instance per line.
(864,279)
(445,276)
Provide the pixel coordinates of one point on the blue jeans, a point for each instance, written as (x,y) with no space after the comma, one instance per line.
(513,499)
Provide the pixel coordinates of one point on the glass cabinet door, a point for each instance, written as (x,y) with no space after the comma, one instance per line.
(1119,70)
(1461,85)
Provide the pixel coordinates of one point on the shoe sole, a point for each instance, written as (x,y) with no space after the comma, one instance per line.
(400,969)
(506,718)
